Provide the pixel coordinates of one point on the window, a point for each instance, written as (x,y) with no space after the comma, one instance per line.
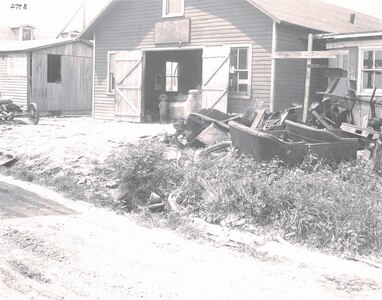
(239,75)
(26,34)
(54,68)
(371,69)
(111,73)
(172,75)
(173,8)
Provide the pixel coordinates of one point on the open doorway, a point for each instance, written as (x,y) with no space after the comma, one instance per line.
(173,73)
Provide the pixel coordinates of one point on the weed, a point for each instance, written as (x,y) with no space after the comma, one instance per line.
(335,207)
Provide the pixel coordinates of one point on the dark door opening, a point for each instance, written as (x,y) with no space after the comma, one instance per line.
(173,73)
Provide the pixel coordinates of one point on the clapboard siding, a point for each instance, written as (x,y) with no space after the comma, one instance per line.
(14,87)
(130,26)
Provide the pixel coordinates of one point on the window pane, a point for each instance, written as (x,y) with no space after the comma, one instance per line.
(368,59)
(243,75)
(174,6)
(233,81)
(27,34)
(233,59)
(368,80)
(243,87)
(243,59)
(378,80)
(378,59)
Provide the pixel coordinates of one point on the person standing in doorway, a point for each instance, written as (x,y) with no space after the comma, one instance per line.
(163,107)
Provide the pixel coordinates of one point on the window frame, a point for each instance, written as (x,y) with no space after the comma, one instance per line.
(360,89)
(248,94)
(172,76)
(22,33)
(172,15)
(108,91)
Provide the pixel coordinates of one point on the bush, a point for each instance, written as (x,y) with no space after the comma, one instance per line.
(143,169)
(337,208)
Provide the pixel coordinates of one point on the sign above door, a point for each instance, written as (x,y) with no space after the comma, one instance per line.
(174,31)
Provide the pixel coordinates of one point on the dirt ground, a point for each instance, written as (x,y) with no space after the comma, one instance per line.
(74,250)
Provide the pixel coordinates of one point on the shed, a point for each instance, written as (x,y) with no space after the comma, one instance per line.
(364,66)
(54,74)
(221,47)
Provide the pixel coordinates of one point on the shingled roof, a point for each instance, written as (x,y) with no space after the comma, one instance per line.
(313,14)
(317,15)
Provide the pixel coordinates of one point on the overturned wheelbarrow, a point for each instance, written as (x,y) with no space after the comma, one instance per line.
(9,111)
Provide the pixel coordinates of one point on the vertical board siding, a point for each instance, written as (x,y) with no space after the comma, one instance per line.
(14,87)
(130,26)
(73,95)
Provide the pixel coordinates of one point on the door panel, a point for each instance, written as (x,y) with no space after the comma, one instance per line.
(216,62)
(128,90)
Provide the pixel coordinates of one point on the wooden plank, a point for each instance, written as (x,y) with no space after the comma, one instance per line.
(307,81)
(308,54)
(260,113)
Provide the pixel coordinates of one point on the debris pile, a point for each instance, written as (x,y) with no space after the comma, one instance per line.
(329,134)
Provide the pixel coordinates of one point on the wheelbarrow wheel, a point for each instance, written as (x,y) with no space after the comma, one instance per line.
(33,114)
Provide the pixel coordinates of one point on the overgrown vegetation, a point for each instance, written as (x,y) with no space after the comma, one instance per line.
(337,208)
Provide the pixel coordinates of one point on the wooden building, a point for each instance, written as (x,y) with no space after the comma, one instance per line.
(54,74)
(222,47)
(364,66)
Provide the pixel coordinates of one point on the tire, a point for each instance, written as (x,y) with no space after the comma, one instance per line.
(33,114)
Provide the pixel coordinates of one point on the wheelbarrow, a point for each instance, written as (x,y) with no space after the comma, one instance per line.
(9,111)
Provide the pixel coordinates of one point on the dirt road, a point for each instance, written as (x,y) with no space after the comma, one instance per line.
(76,251)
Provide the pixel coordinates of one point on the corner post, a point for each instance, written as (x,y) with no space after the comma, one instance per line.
(307,80)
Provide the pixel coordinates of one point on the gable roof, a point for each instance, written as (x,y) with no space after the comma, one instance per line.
(312,14)
(23,46)
(317,15)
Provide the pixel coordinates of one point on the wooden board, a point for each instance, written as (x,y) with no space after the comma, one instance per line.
(216,61)
(128,92)
(308,54)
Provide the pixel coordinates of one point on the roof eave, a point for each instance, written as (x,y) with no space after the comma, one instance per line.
(264,11)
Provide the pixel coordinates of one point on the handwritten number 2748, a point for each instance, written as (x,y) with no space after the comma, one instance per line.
(19,6)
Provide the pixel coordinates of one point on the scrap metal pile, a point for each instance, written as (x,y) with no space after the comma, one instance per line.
(329,134)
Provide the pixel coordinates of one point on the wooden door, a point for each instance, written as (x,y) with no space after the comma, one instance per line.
(216,61)
(128,86)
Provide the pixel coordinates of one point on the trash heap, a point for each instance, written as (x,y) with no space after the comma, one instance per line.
(329,134)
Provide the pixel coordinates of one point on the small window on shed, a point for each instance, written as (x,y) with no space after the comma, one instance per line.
(54,68)
(26,34)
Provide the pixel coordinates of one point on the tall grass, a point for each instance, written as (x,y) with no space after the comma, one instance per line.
(332,207)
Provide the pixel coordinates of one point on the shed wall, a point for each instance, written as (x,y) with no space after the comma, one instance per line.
(73,94)
(13,86)
(130,26)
